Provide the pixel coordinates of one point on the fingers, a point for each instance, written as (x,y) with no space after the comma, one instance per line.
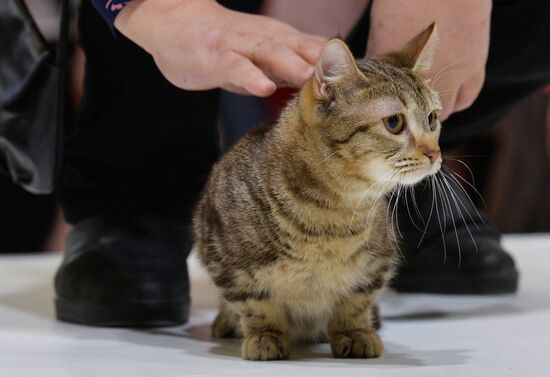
(284,55)
(448,99)
(241,76)
(469,91)
(256,54)
(282,64)
(462,95)
(309,47)
(287,59)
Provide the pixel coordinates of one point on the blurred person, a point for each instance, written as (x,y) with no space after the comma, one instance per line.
(146,136)
(27,220)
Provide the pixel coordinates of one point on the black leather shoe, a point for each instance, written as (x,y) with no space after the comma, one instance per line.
(124,272)
(458,253)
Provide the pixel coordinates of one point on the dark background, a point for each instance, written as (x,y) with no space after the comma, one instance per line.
(510,164)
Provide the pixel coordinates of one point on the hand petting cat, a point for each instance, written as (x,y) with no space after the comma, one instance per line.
(458,69)
(199,45)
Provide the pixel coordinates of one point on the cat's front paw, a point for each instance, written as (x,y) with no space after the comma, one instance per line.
(266,345)
(356,344)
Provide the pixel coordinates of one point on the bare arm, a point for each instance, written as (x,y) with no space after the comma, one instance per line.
(198,45)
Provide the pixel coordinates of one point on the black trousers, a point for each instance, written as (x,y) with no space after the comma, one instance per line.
(143,146)
(139,143)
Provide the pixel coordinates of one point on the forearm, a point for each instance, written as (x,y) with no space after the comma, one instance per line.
(322,17)
(394,21)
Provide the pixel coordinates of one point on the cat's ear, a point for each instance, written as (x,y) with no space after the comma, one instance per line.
(335,63)
(418,52)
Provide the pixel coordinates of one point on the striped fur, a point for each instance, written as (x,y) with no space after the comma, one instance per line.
(293,223)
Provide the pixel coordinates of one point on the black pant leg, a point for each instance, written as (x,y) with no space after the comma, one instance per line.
(140,144)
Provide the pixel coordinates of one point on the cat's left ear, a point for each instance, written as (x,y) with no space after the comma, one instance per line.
(418,52)
(335,64)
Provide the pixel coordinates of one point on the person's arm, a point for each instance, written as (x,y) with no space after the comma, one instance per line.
(328,18)
(198,45)
(458,68)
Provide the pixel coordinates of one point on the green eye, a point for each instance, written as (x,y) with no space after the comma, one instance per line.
(432,120)
(394,123)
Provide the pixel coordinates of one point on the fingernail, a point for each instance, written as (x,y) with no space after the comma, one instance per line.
(265,88)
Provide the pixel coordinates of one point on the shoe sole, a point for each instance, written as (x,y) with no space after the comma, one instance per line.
(501,282)
(132,314)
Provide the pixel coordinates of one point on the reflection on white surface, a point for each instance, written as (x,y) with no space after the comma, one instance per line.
(423,334)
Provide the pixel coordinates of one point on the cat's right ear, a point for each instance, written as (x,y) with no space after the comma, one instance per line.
(418,52)
(334,64)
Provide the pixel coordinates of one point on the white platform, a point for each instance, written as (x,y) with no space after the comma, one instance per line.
(425,335)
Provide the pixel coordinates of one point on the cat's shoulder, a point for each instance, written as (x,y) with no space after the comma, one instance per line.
(254,141)
(249,148)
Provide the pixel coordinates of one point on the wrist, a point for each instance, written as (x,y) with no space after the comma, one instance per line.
(132,23)
(432,9)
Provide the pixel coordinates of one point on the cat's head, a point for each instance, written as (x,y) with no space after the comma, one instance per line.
(377,116)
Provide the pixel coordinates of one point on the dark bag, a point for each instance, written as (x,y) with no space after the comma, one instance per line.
(32,99)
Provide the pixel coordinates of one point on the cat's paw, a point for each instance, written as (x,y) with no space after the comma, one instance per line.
(266,346)
(356,344)
(226,326)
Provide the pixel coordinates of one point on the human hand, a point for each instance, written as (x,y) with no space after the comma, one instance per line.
(199,45)
(458,67)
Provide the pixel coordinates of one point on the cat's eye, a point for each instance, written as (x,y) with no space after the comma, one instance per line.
(394,123)
(432,120)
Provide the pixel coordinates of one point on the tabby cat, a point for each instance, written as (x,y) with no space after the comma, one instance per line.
(292,225)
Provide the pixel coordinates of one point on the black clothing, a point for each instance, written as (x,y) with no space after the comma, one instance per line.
(143,145)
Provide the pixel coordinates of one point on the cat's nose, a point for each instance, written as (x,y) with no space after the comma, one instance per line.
(432,155)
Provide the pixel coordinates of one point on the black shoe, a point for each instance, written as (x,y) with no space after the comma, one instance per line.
(124,272)
(475,264)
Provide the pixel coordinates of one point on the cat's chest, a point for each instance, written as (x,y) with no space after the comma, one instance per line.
(336,251)
(321,271)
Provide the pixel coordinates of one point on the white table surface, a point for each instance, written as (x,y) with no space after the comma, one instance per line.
(424,335)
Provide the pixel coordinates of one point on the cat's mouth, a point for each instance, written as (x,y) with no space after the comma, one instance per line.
(413,174)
